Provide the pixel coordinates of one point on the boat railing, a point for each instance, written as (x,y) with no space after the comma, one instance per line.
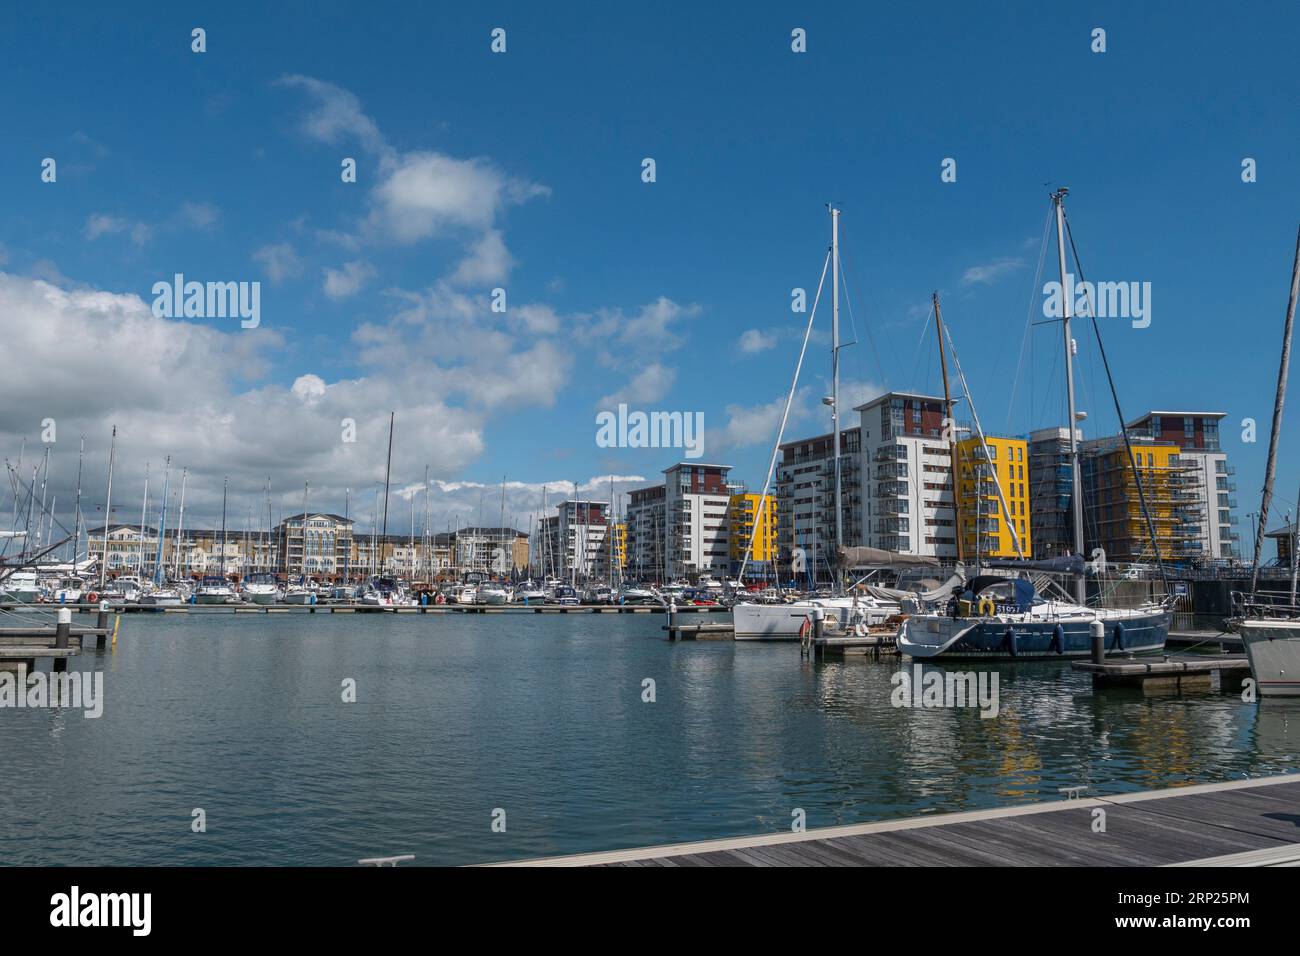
(1279,605)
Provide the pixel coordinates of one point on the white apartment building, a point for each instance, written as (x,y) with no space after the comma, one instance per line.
(572,541)
(906,486)
(680,529)
(805,494)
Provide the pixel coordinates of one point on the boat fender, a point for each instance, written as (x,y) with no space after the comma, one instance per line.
(1010,640)
(1119,636)
(1058,639)
(986,607)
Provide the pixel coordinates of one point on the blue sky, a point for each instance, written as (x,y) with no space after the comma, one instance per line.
(522,170)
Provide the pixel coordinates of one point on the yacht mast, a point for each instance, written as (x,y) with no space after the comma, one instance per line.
(180,521)
(1271,469)
(144,507)
(108,507)
(952,425)
(1076,492)
(835,371)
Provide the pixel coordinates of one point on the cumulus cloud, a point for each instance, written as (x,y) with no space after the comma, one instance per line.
(753,341)
(100,224)
(279,261)
(420,194)
(649,385)
(341,283)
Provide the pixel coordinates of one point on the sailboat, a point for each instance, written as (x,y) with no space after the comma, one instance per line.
(1269,624)
(999,617)
(214,588)
(763,621)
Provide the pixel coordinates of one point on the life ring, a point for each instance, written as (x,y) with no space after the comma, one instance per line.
(804,628)
(92,597)
(986,607)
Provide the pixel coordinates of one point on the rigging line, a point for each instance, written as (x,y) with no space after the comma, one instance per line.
(871,301)
(979,431)
(1029,325)
(760,517)
(1123,427)
(920,345)
(848,301)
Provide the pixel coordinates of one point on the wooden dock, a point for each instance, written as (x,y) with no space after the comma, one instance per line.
(1168,674)
(1246,822)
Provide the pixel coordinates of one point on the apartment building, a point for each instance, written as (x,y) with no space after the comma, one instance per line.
(1113,517)
(574,539)
(805,496)
(752,515)
(647,524)
(906,494)
(988,473)
(1051,496)
(1211,477)
(313,543)
(696,502)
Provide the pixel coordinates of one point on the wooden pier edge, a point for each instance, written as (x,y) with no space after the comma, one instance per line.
(888,826)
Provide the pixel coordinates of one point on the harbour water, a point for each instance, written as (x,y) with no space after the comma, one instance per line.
(543,716)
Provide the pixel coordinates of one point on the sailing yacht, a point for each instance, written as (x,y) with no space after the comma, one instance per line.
(300,591)
(761,621)
(1000,617)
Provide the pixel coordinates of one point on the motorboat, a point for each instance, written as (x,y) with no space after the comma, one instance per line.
(66,590)
(260,588)
(20,587)
(565,595)
(639,594)
(598,594)
(529,593)
(763,621)
(214,589)
(122,591)
(491,593)
(383,592)
(162,596)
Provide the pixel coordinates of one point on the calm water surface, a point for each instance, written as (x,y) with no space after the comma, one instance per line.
(541,715)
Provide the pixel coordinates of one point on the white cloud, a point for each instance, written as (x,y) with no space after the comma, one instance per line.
(199,215)
(753,341)
(649,385)
(488,261)
(341,283)
(99,224)
(279,261)
(990,272)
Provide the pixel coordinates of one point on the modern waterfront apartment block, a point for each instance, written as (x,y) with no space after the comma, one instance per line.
(988,474)
(680,529)
(906,489)
(1197,436)
(573,540)
(805,496)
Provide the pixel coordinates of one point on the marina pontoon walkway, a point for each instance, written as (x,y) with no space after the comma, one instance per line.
(1247,822)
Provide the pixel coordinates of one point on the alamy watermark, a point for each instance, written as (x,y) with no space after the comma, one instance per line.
(1111,300)
(208,300)
(70,689)
(936,688)
(636,429)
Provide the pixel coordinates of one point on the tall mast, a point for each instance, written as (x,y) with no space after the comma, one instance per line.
(180,520)
(388,470)
(835,370)
(143,510)
(952,425)
(222,563)
(108,507)
(76,526)
(1076,493)
(162,524)
(1271,469)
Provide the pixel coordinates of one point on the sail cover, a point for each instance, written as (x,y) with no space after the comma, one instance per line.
(1070,564)
(877,558)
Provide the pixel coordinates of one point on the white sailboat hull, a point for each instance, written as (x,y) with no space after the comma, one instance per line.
(1273,649)
(785,622)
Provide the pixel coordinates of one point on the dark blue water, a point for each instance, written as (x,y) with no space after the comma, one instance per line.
(542,716)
